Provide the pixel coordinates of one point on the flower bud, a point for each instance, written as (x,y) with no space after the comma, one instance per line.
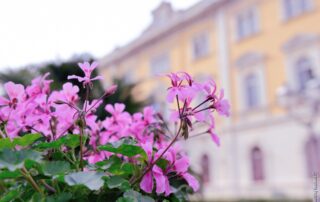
(111,90)
(59,102)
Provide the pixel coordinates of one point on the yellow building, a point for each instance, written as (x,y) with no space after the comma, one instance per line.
(251,48)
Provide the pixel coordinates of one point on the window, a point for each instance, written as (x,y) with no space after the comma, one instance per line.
(304,72)
(257,164)
(247,23)
(200,45)
(160,64)
(205,164)
(251,84)
(292,8)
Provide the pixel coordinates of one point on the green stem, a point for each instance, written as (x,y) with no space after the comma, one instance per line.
(56,185)
(81,144)
(29,178)
(48,187)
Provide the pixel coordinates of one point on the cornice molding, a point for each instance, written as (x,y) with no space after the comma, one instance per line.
(155,33)
(299,41)
(249,59)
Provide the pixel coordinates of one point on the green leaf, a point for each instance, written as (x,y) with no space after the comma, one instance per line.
(162,163)
(62,197)
(69,140)
(6,143)
(10,196)
(52,168)
(113,163)
(117,182)
(125,147)
(127,168)
(6,174)
(36,197)
(115,166)
(49,145)
(133,196)
(15,159)
(26,140)
(90,179)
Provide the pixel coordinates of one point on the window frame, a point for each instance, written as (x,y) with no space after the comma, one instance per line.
(161,62)
(251,82)
(250,20)
(296,9)
(206,49)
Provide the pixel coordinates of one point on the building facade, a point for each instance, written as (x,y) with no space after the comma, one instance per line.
(251,48)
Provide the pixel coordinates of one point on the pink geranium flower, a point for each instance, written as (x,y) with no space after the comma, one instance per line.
(162,182)
(16,94)
(222,105)
(180,167)
(218,102)
(87,68)
(212,133)
(182,87)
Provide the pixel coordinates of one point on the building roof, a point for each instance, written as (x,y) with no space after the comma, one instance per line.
(157,30)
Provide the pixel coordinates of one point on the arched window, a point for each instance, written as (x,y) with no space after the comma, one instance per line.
(205,165)
(257,164)
(312,149)
(304,72)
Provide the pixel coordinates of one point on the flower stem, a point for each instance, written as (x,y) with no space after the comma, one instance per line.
(29,178)
(206,100)
(81,145)
(155,161)
(203,109)
(48,187)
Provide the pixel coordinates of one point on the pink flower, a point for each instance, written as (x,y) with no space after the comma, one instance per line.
(118,114)
(212,133)
(222,105)
(219,103)
(182,86)
(69,93)
(181,168)
(192,181)
(39,85)
(162,181)
(148,115)
(87,69)
(16,94)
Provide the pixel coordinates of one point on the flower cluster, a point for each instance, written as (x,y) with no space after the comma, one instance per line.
(55,114)
(186,92)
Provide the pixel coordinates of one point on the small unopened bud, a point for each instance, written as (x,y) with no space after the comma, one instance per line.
(111,90)
(59,102)
(185,130)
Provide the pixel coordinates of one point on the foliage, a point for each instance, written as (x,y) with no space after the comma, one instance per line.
(54,148)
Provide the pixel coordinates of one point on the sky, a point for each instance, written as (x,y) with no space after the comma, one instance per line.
(36,31)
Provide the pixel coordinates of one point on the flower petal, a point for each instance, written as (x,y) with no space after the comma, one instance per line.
(160,179)
(146,183)
(192,181)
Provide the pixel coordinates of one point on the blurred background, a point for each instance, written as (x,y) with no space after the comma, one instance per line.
(264,53)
